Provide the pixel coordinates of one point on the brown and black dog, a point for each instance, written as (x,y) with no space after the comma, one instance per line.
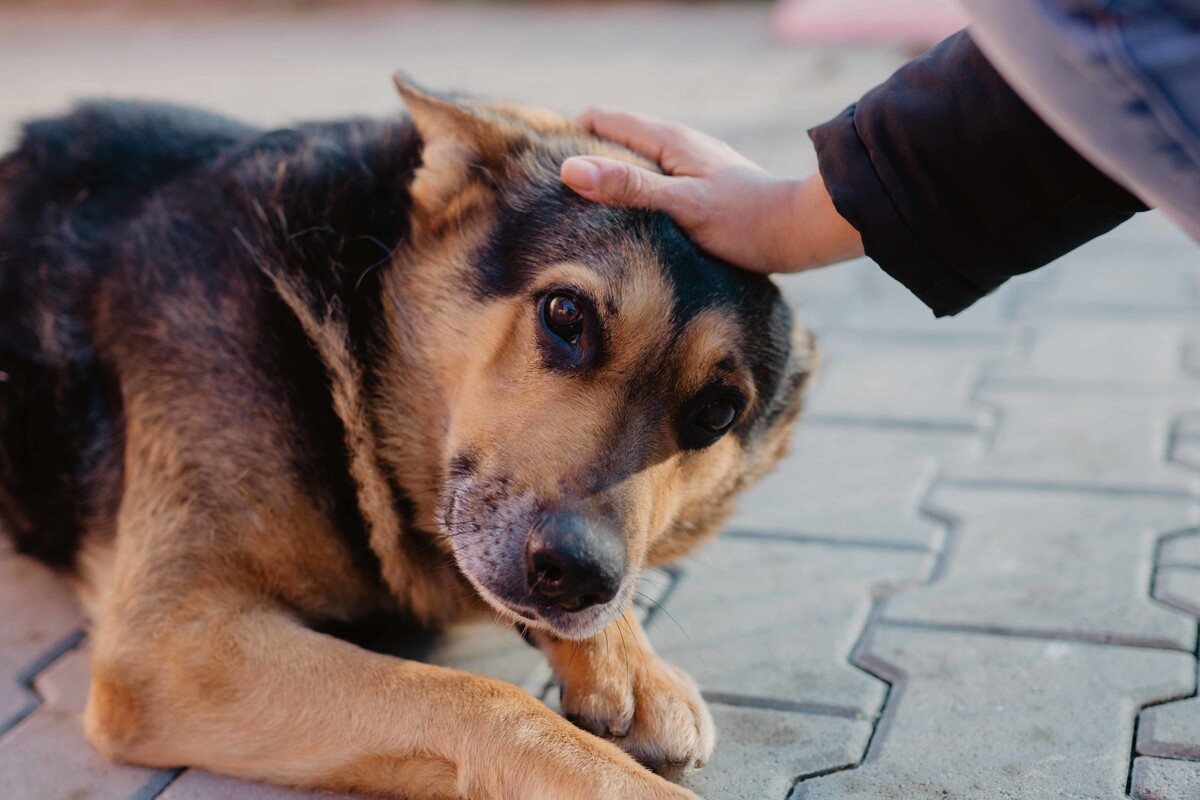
(253,384)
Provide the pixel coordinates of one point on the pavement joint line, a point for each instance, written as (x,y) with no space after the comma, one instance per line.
(898,336)
(775,704)
(892,681)
(877,669)
(1073,312)
(831,541)
(158,783)
(1005,632)
(1115,489)
(920,425)
(1073,387)
(1180,434)
(31,673)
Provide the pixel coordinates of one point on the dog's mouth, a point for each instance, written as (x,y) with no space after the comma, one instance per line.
(552,571)
(565,624)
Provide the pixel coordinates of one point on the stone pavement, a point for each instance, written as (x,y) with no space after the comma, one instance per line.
(977,576)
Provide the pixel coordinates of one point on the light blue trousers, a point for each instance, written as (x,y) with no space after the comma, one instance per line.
(1119,80)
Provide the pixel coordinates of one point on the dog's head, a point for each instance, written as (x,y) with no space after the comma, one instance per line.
(609,388)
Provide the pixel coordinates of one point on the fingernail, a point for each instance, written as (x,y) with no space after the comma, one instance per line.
(579,173)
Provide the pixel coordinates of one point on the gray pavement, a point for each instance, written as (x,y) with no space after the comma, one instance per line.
(976,576)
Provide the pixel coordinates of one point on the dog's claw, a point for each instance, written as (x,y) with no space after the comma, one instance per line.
(669,729)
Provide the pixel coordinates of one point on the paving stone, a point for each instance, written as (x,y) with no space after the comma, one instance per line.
(823,295)
(996,717)
(900,383)
(1071,564)
(46,756)
(777,620)
(883,306)
(1186,452)
(1110,351)
(1146,268)
(1098,440)
(40,613)
(1181,551)
(761,752)
(1179,587)
(1164,779)
(1171,730)
(200,785)
(854,483)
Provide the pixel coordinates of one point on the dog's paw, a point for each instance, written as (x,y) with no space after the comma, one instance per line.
(653,711)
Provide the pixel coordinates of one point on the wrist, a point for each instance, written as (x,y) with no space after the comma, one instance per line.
(813,234)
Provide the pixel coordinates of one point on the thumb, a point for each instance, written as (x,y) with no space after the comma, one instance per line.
(616,183)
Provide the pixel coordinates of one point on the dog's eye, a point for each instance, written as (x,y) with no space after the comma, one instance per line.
(709,416)
(716,416)
(563,316)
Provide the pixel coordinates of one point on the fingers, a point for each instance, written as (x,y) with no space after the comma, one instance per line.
(617,183)
(647,136)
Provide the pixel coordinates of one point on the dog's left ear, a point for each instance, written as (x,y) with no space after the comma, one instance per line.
(459,135)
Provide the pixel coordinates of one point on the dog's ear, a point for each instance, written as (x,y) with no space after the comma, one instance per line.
(459,135)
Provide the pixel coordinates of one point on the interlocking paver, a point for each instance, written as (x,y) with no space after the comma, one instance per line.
(777,620)
(996,717)
(1096,404)
(200,785)
(1179,587)
(760,752)
(1182,550)
(1106,350)
(854,483)
(882,307)
(900,383)
(1101,441)
(39,613)
(1073,564)
(1173,729)
(1144,269)
(1185,451)
(1164,779)
(46,756)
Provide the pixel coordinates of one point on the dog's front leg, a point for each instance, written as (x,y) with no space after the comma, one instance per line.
(616,686)
(248,691)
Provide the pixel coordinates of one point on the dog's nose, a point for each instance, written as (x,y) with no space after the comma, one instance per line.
(572,563)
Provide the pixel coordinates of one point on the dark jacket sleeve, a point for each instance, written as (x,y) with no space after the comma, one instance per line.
(955,184)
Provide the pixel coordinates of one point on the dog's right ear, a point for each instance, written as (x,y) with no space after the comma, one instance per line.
(459,135)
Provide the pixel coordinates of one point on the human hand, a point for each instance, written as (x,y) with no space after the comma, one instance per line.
(727,204)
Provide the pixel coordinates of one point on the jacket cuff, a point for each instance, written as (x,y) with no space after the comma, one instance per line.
(859,196)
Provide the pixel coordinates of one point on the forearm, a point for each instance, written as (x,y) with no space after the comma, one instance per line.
(955,184)
(812,233)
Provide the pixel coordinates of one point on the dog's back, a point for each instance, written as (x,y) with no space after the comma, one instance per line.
(64,194)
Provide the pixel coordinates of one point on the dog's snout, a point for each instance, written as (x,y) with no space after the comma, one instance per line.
(573,563)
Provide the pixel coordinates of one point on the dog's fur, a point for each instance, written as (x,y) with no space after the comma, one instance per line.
(253,384)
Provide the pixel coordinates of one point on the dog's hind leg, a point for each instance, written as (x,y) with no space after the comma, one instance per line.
(616,686)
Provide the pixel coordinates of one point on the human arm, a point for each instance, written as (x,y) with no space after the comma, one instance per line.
(952,182)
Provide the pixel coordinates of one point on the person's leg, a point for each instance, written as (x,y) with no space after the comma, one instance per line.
(1117,79)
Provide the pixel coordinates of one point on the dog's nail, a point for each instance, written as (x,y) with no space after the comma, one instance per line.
(579,173)
(620,728)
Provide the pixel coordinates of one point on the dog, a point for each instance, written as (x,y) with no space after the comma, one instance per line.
(255,384)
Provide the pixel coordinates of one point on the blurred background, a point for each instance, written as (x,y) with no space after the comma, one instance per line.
(756,73)
(1001,474)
